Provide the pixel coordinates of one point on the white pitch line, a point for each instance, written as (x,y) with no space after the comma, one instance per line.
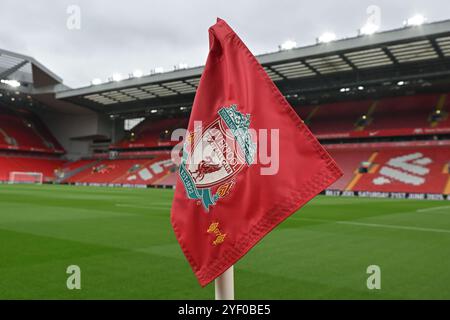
(377,225)
(433,209)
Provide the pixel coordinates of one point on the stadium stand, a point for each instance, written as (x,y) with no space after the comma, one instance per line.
(417,170)
(169,180)
(414,111)
(142,171)
(391,168)
(366,118)
(349,161)
(21,130)
(24,140)
(149,134)
(381,108)
(45,166)
(72,166)
(397,116)
(394,167)
(335,118)
(27,146)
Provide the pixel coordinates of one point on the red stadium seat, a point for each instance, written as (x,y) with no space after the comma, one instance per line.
(45,166)
(150,134)
(127,171)
(404,112)
(398,116)
(21,130)
(399,169)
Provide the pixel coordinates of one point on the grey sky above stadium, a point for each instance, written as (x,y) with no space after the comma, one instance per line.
(121,36)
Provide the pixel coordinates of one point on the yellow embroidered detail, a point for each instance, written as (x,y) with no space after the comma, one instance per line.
(214,229)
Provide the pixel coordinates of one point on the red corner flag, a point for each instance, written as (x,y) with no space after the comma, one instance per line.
(248,161)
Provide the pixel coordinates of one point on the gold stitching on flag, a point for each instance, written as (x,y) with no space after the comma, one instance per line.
(214,229)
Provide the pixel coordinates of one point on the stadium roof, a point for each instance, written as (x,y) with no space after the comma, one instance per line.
(26,70)
(417,56)
(25,82)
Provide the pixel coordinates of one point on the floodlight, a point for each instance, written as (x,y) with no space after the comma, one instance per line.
(369,28)
(181,65)
(288,45)
(137,73)
(96,81)
(415,20)
(117,77)
(327,37)
(11,83)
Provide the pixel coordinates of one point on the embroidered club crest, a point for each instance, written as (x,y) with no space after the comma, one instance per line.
(214,156)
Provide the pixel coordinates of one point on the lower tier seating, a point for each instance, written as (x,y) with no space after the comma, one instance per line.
(400,169)
(348,161)
(47,167)
(146,171)
(415,167)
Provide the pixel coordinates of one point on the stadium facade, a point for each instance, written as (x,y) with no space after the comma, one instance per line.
(378,102)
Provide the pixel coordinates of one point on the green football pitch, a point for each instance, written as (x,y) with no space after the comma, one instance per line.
(123,242)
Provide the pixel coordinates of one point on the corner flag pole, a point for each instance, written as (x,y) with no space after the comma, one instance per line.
(224,285)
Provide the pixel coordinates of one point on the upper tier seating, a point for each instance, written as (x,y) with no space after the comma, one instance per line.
(337,117)
(21,130)
(403,112)
(398,116)
(150,133)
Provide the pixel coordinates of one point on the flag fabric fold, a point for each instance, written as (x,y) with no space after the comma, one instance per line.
(228,197)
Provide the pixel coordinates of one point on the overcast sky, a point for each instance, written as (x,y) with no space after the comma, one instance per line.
(121,36)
